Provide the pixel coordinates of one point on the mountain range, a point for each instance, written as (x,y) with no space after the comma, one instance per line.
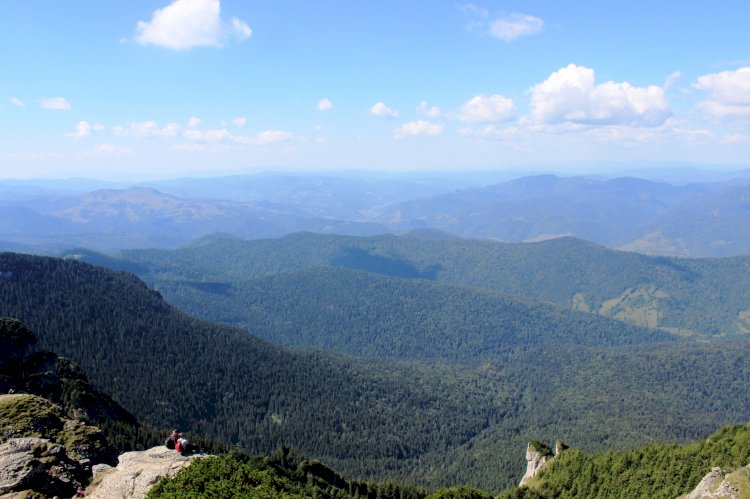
(652,217)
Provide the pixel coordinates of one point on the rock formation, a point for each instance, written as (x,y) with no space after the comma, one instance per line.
(720,485)
(137,472)
(538,457)
(38,465)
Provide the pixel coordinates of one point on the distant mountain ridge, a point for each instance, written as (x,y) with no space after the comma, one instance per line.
(646,216)
(635,214)
(145,217)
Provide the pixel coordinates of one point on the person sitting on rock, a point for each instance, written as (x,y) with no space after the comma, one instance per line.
(171,440)
(184,446)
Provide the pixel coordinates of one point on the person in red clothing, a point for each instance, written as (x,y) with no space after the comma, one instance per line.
(179,445)
(184,446)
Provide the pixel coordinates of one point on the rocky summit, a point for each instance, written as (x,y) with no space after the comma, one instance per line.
(136,473)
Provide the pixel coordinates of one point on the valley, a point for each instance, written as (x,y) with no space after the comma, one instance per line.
(414,374)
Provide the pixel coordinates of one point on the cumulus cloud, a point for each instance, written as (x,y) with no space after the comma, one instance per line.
(207,135)
(240,29)
(185,24)
(55,104)
(426,110)
(492,108)
(265,137)
(382,111)
(83,129)
(194,122)
(672,80)
(419,127)
(147,129)
(727,92)
(324,105)
(225,136)
(506,26)
(239,122)
(572,96)
(514,25)
(17,102)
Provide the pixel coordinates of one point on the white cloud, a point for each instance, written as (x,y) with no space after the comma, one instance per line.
(239,122)
(265,137)
(382,111)
(514,25)
(734,138)
(476,16)
(83,129)
(505,26)
(223,135)
(240,29)
(491,108)
(108,150)
(147,129)
(207,135)
(324,105)
(427,110)
(571,95)
(419,127)
(17,102)
(193,122)
(672,80)
(55,104)
(185,24)
(728,93)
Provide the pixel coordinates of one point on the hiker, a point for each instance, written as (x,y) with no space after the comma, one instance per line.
(171,440)
(184,446)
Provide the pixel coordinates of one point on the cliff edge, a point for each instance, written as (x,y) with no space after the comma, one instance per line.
(136,473)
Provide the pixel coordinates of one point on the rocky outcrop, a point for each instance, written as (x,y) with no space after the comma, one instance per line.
(38,465)
(137,472)
(720,485)
(23,369)
(24,415)
(538,457)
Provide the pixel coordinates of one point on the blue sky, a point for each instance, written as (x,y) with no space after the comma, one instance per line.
(144,89)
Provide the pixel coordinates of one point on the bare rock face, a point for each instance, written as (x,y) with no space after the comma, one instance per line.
(535,461)
(538,457)
(720,485)
(137,472)
(38,464)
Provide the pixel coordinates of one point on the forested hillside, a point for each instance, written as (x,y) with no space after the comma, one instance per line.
(361,313)
(429,423)
(687,296)
(657,471)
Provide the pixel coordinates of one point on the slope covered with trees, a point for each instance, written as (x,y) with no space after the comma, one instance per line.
(361,313)
(430,423)
(688,296)
(658,471)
